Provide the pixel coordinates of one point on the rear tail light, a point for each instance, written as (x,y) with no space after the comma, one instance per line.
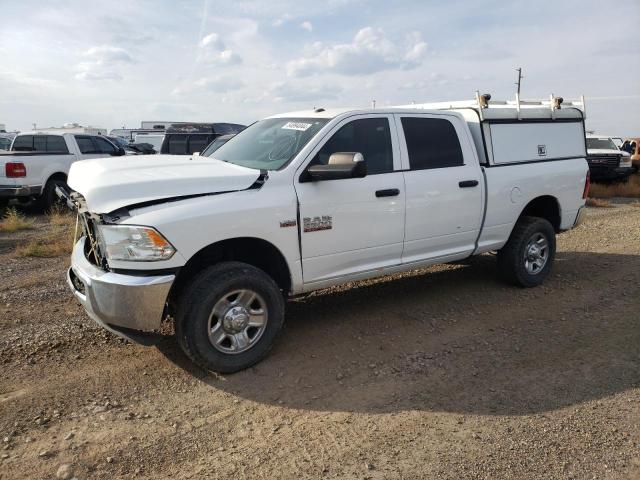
(15,169)
(587,184)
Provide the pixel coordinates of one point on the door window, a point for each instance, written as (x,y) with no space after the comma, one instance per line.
(369,136)
(431,143)
(85,145)
(56,144)
(103,146)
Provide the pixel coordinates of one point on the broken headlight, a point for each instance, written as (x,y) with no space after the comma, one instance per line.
(133,243)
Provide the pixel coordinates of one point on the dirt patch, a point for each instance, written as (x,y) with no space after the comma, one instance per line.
(438,373)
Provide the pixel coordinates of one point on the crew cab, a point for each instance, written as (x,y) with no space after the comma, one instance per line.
(302,201)
(38,162)
(607,163)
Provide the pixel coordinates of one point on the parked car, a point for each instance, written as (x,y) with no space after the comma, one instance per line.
(186,139)
(632,147)
(308,200)
(216,144)
(39,162)
(5,141)
(607,163)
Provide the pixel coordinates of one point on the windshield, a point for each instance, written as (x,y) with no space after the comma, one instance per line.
(270,144)
(601,143)
(119,141)
(213,146)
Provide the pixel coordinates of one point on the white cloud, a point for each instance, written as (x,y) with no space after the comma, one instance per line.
(216,84)
(213,51)
(307,25)
(102,63)
(108,55)
(371,51)
(287,17)
(296,93)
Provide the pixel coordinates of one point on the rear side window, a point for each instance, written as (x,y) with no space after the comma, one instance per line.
(431,143)
(23,143)
(177,144)
(56,144)
(86,145)
(370,137)
(197,143)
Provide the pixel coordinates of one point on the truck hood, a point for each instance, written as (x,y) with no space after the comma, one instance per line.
(115,182)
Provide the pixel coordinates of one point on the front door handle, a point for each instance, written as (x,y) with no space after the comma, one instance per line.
(468,183)
(389,192)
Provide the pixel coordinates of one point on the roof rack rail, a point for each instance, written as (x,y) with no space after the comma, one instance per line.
(484,101)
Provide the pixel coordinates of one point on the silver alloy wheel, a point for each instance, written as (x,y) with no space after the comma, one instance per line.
(536,253)
(237,321)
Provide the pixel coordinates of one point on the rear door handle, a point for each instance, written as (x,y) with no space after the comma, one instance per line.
(468,183)
(389,192)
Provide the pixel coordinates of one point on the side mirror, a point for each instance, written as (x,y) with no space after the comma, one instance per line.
(196,154)
(120,152)
(341,165)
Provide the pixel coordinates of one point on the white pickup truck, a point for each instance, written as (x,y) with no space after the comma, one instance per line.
(306,200)
(38,162)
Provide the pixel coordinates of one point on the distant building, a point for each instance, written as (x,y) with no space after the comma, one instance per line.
(74,128)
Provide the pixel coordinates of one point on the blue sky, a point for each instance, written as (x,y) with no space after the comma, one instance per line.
(115,63)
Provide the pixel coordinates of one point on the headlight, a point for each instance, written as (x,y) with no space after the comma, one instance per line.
(134,244)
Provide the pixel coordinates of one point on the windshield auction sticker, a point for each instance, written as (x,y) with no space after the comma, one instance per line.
(296,126)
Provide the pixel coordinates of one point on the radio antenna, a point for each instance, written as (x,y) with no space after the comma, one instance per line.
(520,77)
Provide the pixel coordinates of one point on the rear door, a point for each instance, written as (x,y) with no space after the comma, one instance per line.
(444,187)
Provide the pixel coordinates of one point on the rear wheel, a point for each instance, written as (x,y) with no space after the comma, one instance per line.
(527,257)
(49,197)
(229,317)
(4,203)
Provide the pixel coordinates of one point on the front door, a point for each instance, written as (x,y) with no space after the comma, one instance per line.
(354,225)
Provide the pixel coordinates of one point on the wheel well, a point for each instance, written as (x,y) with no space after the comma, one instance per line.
(57,176)
(254,251)
(546,207)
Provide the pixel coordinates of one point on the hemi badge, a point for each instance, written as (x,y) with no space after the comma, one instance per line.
(288,223)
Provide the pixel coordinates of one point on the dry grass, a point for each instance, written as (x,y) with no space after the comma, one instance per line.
(55,240)
(629,189)
(14,221)
(598,202)
(61,216)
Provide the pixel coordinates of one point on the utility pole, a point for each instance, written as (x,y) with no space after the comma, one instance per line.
(520,77)
(373,102)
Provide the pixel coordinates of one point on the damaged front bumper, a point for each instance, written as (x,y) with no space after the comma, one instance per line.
(127,305)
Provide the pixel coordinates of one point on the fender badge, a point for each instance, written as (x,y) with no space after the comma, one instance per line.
(288,223)
(316,224)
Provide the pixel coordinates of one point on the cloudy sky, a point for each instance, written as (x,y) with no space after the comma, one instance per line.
(115,62)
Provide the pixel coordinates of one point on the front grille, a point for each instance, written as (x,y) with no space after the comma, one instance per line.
(603,160)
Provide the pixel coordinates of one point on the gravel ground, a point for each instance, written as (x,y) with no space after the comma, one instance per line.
(441,373)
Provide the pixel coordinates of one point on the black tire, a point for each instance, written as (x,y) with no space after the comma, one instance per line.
(49,198)
(512,258)
(196,305)
(4,203)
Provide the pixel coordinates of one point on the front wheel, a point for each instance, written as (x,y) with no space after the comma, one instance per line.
(528,255)
(229,317)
